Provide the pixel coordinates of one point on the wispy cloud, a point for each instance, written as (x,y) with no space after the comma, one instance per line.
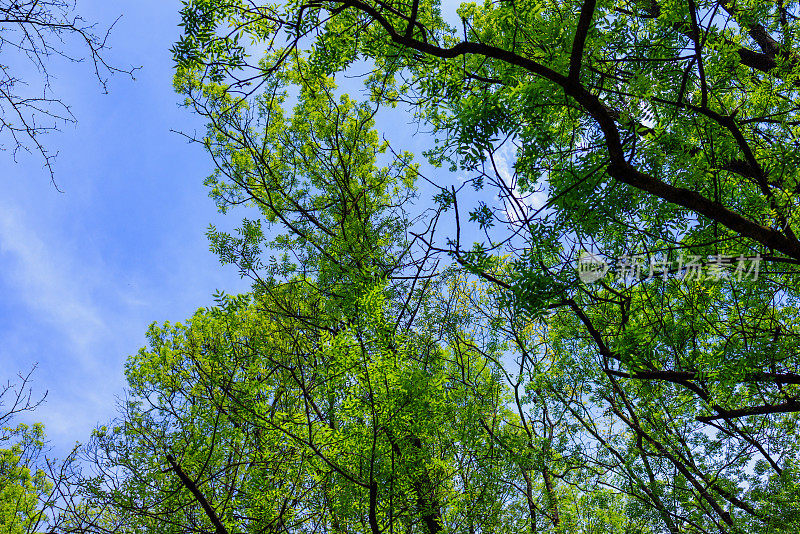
(49,282)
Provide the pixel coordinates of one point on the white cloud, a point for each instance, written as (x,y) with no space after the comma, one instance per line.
(527,202)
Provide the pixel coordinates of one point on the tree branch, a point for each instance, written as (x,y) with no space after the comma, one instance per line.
(192,487)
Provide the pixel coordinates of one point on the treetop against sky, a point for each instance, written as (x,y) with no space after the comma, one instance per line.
(522,312)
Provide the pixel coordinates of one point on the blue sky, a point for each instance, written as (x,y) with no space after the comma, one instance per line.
(83,273)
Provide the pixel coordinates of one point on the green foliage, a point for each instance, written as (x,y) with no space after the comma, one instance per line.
(383,376)
(21,487)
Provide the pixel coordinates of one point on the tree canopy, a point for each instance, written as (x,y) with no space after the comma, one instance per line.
(422,354)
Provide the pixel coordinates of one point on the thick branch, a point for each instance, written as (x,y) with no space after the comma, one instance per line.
(779,378)
(192,487)
(767,409)
(584,23)
(713,210)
